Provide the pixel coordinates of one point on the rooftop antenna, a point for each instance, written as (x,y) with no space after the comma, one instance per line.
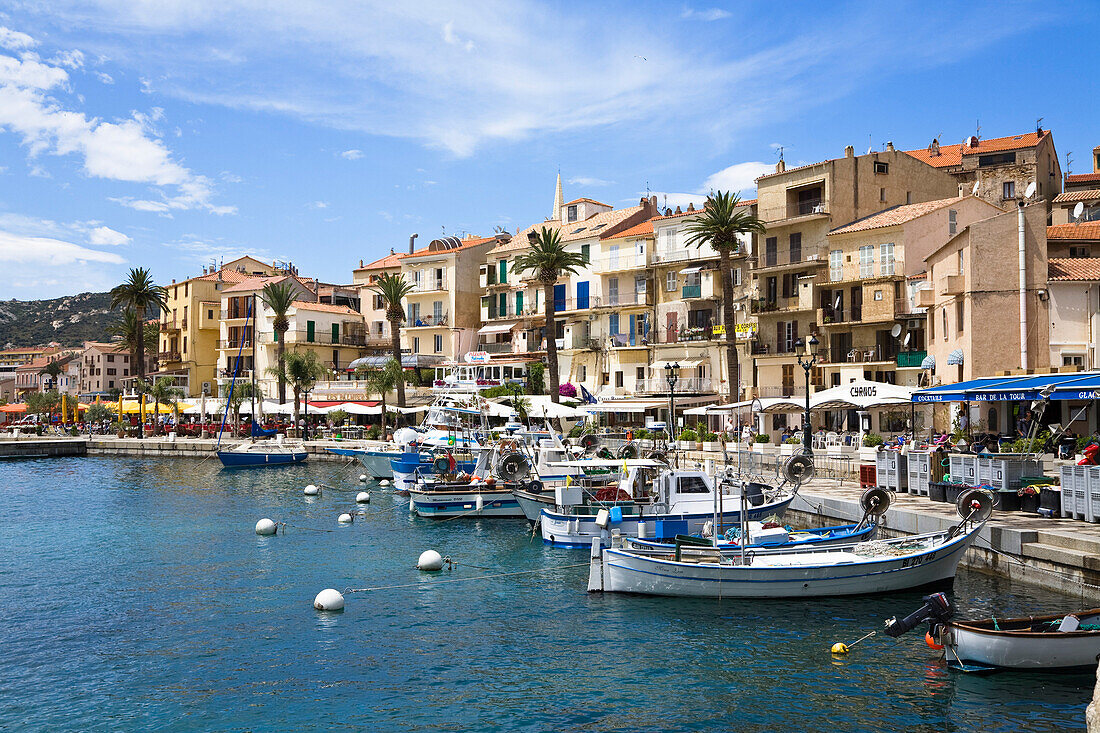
(779,151)
(1039,125)
(870,146)
(1069,161)
(978,129)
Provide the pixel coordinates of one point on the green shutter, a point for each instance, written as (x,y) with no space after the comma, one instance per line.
(336,333)
(503,305)
(585,249)
(310,328)
(519,303)
(504,271)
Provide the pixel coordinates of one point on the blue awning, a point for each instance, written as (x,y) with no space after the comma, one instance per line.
(1077,386)
(955,358)
(929,362)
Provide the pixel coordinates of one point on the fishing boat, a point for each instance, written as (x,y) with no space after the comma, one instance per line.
(267,451)
(375,461)
(878,566)
(771,534)
(487,491)
(1053,641)
(654,501)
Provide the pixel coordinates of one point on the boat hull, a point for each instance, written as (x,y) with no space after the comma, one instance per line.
(447,504)
(232,459)
(578,531)
(532,504)
(1016,650)
(814,575)
(834,536)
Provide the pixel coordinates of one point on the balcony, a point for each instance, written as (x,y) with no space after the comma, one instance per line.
(504,347)
(840,316)
(168,356)
(564,305)
(911,358)
(926,298)
(683,385)
(429,321)
(235,344)
(862,355)
(622,262)
(229,314)
(688,334)
(953,285)
(689,253)
(166,326)
(762,306)
(616,300)
(430,285)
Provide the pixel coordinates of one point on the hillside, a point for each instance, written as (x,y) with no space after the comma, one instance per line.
(68,321)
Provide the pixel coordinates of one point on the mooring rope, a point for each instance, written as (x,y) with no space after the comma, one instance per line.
(459,580)
(1024,563)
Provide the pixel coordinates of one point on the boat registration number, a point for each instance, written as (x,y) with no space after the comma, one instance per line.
(910,562)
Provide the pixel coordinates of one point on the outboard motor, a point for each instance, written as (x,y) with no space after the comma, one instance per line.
(936,609)
(754,492)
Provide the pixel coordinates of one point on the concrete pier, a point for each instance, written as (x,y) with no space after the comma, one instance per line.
(164,447)
(35,447)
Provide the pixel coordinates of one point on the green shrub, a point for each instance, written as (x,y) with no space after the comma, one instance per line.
(762,438)
(872,440)
(708,437)
(793,441)
(576,431)
(689,435)
(374,432)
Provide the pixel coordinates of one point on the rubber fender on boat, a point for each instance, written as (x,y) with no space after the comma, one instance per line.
(534,487)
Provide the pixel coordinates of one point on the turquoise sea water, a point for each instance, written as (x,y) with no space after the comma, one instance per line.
(135,595)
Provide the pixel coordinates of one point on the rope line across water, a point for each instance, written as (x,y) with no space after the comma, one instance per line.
(459,580)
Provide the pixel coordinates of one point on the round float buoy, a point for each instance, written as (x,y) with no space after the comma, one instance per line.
(430,560)
(266,527)
(839,648)
(344,518)
(384,482)
(931,641)
(312,490)
(329,599)
(362,478)
(363,497)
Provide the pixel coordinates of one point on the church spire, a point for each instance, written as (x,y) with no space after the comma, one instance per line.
(559,199)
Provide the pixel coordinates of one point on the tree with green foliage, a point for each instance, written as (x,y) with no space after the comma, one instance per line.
(128,328)
(97,414)
(536,378)
(164,391)
(301,370)
(549,260)
(393,289)
(381,381)
(240,393)
(280,297)
(141,295)
(53,370)
(723,222)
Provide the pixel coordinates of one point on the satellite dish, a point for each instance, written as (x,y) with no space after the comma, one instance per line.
(1078,210)
(896,330)
(906,341)
(974,191)
(1030,191)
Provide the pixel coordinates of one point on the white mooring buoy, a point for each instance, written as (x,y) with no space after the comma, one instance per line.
(362,478)
(329,599)
(430,560)
(312,490)
(384,482)
(344,518)
(266,527)
(363,497)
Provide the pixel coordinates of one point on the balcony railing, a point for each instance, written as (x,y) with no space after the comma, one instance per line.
(169,356)
(430,285)
(683,384)
(687,333)
(688,254)
(228,314)
(504,347)
(563,305)
(630,261)
(628,298)
(911,358)
(173,325)
(428,321)
(835,316)
(235,344)
(861,354)
(318,337)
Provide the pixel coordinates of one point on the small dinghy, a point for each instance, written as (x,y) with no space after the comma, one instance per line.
(1054,641)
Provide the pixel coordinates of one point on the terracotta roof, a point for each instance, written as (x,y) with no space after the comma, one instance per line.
(254,283)
(1073,268)
(894,216)
(922,275)
(519,239)
(115,346)
(226,275)
(1071,196)
(950,155)
(384,263)
(591,201)
(23,350)
(645,229)
(1082,177)
(594,225)
(1084,230)
(40,362)
(325,307)
(465,244)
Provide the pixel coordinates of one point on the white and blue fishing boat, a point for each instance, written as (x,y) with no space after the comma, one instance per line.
(771,535)
(878,566)
(487,491)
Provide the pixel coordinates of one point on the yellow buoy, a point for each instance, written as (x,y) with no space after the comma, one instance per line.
(839,648)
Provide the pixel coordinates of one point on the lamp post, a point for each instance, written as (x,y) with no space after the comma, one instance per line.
(811,359)
(305,416)
(672,375)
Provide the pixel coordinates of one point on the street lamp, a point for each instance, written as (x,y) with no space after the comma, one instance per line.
(672,375)
(811,359)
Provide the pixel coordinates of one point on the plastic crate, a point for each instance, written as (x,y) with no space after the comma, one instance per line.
(1074,486)
(890,473)
(919,472)
(1092,492)
(867,473)
(963,468)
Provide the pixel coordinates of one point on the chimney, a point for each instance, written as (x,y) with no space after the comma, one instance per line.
(360,263)
(691,206)
(653,202)
(412,239)
(678,210)
(890,147)
(780,166)
(849,151)
(934,147)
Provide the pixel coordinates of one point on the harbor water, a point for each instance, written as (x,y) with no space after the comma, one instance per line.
(134,594)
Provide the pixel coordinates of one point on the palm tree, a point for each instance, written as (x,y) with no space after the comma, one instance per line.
(236,394)
(393,289)
(53,369)
(140,294)
(163,390)
(302,370)
(382,381)
(279,297)
(548,259)
(719,226)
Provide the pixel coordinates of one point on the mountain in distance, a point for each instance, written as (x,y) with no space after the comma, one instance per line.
(69,321)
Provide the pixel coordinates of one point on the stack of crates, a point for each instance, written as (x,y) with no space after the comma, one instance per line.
(867,476)
(919,472)
(890,470)
(1075,492)
(1004,474)
(963,468)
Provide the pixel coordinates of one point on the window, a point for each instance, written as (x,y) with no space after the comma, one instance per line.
(571,213)
(882,166)
(878,295)
(796,247)
(996,159)
(416,344)
(618,379)
(944,311)
(836,265)
(886,256)
(519,302)
(770,247)
(582,372)
(961,263)
(639,374)
(959,311)
(882,195)
(1008,190)
(1078,251)
(1072,360)
(210,313)
(640,287)
(613,257)
(110,357)
(586,253)
(735,275)
(908,197)
(438,343)
(670,281)
(952,222)
(867,260)
(503,268)
(692,485)
(111,372)
(185,344)
(668,240)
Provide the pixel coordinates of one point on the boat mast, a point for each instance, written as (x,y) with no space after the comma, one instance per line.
(252,428)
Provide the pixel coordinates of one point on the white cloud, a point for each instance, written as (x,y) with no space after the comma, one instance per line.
(72,59)
(15,41)
(105,236)
(104,77)
(450,37)
(352,154)
(708,15)
(737,178)
(318,204)
(23,250)
(587,181)
(126,150)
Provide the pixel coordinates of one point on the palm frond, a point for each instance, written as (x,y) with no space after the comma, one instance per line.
(723,220)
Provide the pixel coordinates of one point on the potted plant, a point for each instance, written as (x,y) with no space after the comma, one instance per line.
(687,439)
(760,441)
(790,446)
(119,428)
(868,450)
(710,441)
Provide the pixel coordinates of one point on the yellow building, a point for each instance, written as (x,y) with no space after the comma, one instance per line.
(372,306)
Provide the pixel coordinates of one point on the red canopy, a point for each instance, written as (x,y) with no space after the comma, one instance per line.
(17,407)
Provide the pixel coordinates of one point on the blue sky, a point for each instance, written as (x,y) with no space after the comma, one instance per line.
(167,133)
